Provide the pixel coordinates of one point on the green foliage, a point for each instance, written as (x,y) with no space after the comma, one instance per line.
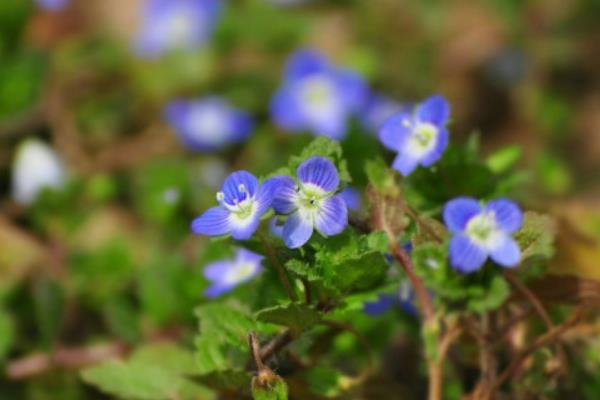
(536,236)
(296,316)
(269,386)
(479,291)
(324,381)
(7,332)
(154,372)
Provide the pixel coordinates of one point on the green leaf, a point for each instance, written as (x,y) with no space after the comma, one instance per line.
(152,373)
(228,380)
(323,381)
(221,345)
(381,177)
(296,316)
(7,333)
(502,160)
(49,306)
(351,262)
(536,236)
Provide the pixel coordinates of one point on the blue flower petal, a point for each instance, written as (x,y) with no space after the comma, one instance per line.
(241,126)
(334,126)
(305,62)
(405,164)
(466,256)
(284,201)
(297,230)
(231,186)
(395,131)
(436,153)
(266,193)
(332,217)
(216,271)
(352,198)
(217,289)
(508,214)
(319,171)
(351,89)
(458,212)
(434,109)
(243,229)
(247,256)
(214,222)
(285,110)
(506,253)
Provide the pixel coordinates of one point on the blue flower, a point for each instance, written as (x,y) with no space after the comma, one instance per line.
(227,274)
(242,202)
(481,231)
(419,137)
(52,5)
(316,96)
(176,25)
(379,109)
(311,203)
(208,124)
(352,198)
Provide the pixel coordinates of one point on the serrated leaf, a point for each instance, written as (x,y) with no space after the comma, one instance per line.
(296,316)
(536,237)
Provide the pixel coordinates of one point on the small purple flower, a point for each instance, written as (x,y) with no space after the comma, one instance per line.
(52,5)
(317,96)
(208,124)
(379,109)
(176,25)
(227,274)
(352,198)
(242,202)
(311,202)
(419,137)
(482,231)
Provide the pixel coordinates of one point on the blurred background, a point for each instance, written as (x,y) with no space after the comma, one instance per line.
(97,188)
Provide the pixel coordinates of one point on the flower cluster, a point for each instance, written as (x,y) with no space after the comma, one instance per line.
(209,123)
(309,202)
(176,25)
(317,96)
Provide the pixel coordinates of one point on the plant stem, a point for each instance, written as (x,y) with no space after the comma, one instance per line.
(280,270)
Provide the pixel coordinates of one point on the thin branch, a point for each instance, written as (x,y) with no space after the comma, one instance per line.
(539,342)
(280,270)
(255,348)
(277,343)
(539,308)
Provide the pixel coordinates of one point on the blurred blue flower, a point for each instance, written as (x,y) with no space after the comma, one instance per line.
(405,300)
(317,96)
(52,5)
(227,274)
(378,109)
(352,198)
(243,200)
(482,231)
(176,25)
(208,124)
(419,137)
(311,203)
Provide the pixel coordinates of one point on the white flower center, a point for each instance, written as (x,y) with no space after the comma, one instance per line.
(180,27)
(241,272)
(422,139)
(318,97)
(208,124)
(483,229)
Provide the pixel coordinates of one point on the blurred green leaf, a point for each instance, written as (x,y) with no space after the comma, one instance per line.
(296,316)
(7,333)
